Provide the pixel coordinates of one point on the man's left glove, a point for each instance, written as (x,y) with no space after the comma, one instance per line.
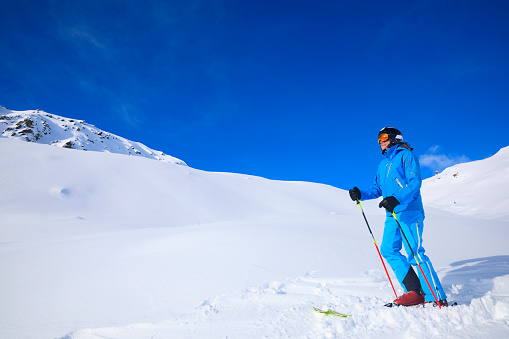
(389,203)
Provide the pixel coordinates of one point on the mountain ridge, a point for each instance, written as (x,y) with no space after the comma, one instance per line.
(45,128)
(455,190)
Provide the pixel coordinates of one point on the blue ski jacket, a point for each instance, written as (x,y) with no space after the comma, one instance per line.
(399,175)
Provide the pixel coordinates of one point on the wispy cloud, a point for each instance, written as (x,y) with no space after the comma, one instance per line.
(436,161)
(81,33)
(130,114)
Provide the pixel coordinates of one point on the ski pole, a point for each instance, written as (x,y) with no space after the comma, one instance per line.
(416,259)
(380,255)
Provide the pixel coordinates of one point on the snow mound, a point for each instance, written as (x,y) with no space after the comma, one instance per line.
(44,128)
(478,189)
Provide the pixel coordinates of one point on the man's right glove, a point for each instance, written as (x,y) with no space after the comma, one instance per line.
(355,194)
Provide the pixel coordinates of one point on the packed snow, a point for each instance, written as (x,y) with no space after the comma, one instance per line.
(104,245)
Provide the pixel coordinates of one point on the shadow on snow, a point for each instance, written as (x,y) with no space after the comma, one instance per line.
(473,278)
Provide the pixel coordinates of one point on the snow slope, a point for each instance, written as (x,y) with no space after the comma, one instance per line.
(44,128)
(96,245)
(473,189)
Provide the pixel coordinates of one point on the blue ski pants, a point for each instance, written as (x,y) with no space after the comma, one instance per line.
(391,251)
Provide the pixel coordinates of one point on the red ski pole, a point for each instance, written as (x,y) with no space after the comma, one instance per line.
(380,255)
(416,259)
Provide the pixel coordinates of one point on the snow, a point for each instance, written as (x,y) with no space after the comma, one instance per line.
(470,188)
(104,245)
(45,128)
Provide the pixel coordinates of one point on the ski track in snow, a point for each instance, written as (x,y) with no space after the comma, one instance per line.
(284,309)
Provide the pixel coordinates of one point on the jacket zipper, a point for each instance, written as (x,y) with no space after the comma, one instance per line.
(399,183)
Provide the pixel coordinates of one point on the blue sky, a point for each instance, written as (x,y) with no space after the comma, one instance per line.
(289,90)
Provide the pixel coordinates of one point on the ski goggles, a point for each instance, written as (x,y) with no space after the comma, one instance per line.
(383,137)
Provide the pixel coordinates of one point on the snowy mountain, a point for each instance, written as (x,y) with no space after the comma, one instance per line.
(89,249)
(471,189)
(44,128)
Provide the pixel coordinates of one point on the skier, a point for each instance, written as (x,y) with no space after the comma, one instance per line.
(398,180)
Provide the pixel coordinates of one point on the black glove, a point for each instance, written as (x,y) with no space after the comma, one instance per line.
(389,203)
(355,194)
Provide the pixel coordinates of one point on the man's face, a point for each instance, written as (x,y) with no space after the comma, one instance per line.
(384,144)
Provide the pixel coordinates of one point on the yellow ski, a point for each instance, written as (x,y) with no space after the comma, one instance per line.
(331,312)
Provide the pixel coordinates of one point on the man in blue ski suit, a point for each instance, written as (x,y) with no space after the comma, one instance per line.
(398,180)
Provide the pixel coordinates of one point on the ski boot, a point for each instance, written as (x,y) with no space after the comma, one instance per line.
(411,298)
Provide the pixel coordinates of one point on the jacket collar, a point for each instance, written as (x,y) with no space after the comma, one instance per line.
(391,152)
